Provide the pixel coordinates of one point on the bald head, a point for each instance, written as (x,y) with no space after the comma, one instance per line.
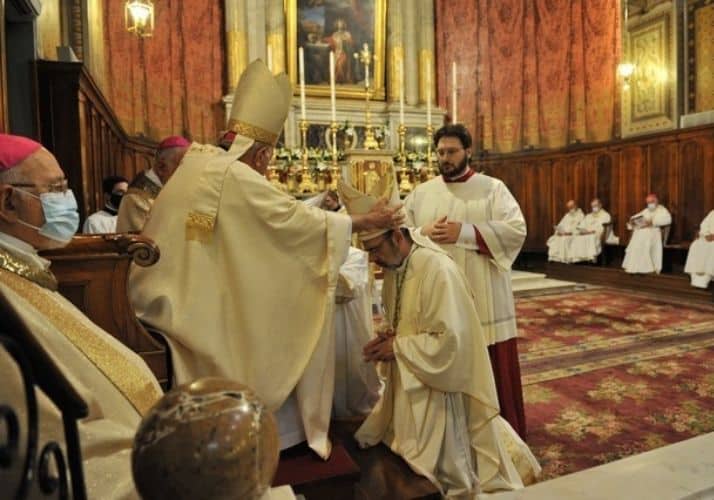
(571,205)
(167,161)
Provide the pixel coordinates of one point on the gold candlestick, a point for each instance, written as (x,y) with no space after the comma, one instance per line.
(365,57)
(405,184)
(306,183)
(334,169)
(429,163)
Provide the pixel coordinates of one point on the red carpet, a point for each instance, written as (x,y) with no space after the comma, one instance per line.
(608,373)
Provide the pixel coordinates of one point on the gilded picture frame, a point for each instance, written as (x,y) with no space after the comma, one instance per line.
(342,26)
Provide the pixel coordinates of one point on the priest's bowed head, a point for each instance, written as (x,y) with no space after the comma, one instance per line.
(35,204)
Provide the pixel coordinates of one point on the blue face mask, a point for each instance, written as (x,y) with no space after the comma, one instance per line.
(61,216)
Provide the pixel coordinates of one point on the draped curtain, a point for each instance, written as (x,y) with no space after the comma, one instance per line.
(532,73)
(170,83)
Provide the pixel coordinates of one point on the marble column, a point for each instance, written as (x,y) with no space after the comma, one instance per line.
(411,49)
(275,33)
(236,41)
(426,49)
(395,47)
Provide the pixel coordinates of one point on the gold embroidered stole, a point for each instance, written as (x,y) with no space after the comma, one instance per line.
(137,387)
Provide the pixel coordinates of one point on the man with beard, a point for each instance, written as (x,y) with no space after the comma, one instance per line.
(477,220)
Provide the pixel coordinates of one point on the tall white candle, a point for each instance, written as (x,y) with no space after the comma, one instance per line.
(401,91)
(428,92)
(453,93)
(366,67)
(332,86)
(270,58)
(301,61)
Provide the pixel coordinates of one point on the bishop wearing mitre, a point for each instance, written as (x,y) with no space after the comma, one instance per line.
(559,244)
(644,252)
(586,243)
(439,407)
(245,287)
(700,259)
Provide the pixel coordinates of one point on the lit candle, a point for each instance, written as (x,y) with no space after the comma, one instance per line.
(270,58)
(428,92)
(401,91)
(301,60)
(453,93)
(366,67)
(332,86)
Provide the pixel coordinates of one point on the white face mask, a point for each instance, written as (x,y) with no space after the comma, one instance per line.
(595,209)
(572,210)
(651,206)
(61,216)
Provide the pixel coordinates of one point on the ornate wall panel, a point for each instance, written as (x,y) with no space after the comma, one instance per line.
(650,104)
(700,55)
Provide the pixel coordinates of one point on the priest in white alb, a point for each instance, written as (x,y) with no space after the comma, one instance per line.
(643,254)
(700,259)
(439,409)
(245,287)
(559,244)
(586,242)
(477,220)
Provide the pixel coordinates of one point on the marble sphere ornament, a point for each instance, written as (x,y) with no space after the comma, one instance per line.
(211,439)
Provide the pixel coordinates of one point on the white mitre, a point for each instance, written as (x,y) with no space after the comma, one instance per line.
(359,203)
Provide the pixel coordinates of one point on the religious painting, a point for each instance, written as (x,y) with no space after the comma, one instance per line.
(649,102)
(343,27)
(700,55)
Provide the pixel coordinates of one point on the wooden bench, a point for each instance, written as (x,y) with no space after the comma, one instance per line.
(92,272)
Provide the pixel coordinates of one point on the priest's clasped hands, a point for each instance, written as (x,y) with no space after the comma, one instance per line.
(442,231)
(380,348)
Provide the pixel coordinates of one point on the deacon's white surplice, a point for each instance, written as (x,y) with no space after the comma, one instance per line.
(245,287)
(439,409)
(644,252)
(486,203)
(100,222)
(559,244)
(700,259)
(586,242)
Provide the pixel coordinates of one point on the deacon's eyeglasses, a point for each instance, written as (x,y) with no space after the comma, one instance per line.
(55,187)
(448,151)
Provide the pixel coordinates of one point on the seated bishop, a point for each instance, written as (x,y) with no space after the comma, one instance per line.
(700,259)
(439,409)
(245,287)
(644,251)
(586,243)
(38,212)
(559,244)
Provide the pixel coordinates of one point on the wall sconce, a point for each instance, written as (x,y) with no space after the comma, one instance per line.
(139,17)
(625,70)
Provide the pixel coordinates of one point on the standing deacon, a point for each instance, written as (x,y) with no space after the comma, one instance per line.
(700,259)
(478,221)
(38,212)
(586,243)
(245,288)
(145,187)
(644,251)
(439,408)
(559,244)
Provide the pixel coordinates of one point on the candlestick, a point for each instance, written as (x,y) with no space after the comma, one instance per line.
(401,90)
(453,92)
(303,113)
(335,169)
(430,141)
(428,92)
(332,87)
(306,184)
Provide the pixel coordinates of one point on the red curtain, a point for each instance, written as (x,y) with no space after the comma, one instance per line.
(542,71)
(170,83)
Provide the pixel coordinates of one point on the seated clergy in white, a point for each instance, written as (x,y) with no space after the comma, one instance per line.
(38,212)
(586,244)
(245,287)
(644,252)
(439,409)
(700,259)
(356,382)
(559,243)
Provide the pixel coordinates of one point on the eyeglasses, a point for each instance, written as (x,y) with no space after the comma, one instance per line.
(377,246)
(55,187)
(448,151)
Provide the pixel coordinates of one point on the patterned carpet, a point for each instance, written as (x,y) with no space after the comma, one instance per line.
(609,373)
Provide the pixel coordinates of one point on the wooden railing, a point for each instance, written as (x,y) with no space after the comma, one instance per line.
(678,166)
(77,124)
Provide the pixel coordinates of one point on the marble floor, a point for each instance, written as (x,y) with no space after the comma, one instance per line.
(681,471)
(525,283)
